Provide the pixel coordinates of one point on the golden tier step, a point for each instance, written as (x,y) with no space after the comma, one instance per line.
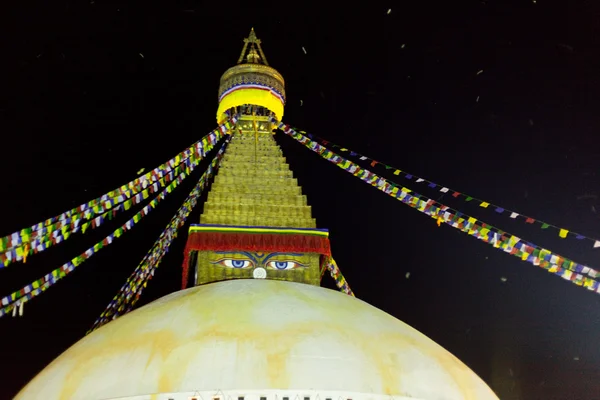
(288,222)
(211,208)
(254,180)
(252,152)
(238,165)
(257,199)
(255,172)
(230,157)
(242,189)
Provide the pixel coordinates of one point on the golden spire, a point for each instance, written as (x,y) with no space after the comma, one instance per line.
(253,56)
(246,83)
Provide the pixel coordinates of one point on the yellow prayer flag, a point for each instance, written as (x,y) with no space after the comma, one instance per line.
(472,220)
(397,172)
(344,149)
(484,204)
(563,233)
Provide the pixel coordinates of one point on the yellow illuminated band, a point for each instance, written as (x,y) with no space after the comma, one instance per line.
(254,96)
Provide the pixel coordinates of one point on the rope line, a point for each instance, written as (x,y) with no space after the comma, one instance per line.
(10,244)
(527,251)
(71,225)
(562,232)
(337,276)
(37,287)
(131,291)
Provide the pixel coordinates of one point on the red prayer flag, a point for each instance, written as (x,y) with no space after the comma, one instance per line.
(530,220)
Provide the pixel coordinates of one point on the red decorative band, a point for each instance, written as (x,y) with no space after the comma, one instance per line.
(255,242)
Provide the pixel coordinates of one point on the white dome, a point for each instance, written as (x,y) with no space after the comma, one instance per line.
(256,339)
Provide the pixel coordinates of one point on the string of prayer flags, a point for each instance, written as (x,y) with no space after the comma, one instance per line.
(562,233)
(37,287)
(337,276)
(107,201)
(62,230)
(130,294)
(131,291)
(577,273)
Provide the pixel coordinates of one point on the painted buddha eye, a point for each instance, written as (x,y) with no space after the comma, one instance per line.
(282,265)
(232,263)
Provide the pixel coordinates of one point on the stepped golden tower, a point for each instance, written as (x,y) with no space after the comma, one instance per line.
(255,187)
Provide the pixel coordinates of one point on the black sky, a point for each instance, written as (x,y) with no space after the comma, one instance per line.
(93,91)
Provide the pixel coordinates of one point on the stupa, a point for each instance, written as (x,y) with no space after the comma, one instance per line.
(256,325)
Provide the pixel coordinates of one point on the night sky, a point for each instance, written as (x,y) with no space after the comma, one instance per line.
(93,91)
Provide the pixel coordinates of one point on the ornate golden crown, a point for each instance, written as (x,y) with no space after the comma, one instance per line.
(252,81)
